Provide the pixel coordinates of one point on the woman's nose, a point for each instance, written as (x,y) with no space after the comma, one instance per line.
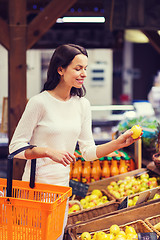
(84,73)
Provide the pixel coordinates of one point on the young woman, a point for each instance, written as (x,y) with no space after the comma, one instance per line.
(59,117)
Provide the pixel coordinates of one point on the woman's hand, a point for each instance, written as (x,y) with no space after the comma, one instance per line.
(125,139)
(62,157)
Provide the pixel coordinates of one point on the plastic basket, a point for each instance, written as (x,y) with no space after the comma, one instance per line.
(32,213)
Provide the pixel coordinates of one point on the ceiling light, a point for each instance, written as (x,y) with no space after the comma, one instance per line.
(81,20)
(135,36)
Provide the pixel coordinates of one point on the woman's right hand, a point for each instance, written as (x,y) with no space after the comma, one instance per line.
(62,157)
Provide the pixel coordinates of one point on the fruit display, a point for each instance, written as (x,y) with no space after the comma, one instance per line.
(113,233)
(96,198)
(131,185)
(133,201)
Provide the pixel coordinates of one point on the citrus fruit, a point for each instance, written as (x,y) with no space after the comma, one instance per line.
(137,130)
(110,236)
(100,235)
(114,229)
(130,229)
(85,236)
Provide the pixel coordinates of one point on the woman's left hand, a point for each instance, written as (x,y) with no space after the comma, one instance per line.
(125,139)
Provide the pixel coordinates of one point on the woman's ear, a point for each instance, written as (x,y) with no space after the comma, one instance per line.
(60,71)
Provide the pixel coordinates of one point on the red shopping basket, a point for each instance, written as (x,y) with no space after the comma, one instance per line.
(28,210)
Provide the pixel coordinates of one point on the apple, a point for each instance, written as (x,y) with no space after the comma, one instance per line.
(97,192)
(91,204)
(87,198)
(135,188)
(144,175)
(104,199)
(92,197)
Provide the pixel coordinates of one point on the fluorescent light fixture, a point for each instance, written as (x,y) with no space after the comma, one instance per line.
(81,20)
(135,36)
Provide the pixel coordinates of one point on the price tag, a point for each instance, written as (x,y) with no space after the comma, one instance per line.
(153,192)
(147,195)
(123,204)
(78,188)
(143,197)
(147,236)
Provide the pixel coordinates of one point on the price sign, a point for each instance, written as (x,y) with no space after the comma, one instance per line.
(147,195)
(78,188)
(147,236)
(123,204)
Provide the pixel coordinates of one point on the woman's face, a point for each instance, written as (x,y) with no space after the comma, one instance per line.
(75,73)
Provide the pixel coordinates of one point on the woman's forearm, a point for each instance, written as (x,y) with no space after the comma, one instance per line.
(36,152)
(106,148)
(124,140)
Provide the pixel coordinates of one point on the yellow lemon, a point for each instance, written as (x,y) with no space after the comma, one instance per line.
(114,229)
(132,236)
(100,235)
(120,237)
(122,233)
(137,130)
(110,236)
(130,229)
(85,236)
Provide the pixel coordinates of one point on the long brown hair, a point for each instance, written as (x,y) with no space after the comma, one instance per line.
(62,57)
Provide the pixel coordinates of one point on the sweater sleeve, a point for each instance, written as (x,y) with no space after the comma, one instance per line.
(86,142)
(26,126)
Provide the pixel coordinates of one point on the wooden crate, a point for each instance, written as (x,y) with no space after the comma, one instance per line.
(87,214)
(120,217)
(91,213)
(151,221)
(140,227)
(102,184)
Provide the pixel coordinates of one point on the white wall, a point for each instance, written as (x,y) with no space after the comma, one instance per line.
(33,74)
(99,92)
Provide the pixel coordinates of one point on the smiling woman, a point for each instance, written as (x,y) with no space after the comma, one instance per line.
(59,117)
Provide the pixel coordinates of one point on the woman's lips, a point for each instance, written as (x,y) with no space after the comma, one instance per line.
(80,80)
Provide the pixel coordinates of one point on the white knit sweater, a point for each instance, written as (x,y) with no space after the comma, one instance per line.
(49,122)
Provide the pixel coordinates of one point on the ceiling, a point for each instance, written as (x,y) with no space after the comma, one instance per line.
(119,14)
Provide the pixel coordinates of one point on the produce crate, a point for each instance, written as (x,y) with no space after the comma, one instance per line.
(151,221)
(147,194)
(87,214)
(102,184)
(140,227)
(121,217)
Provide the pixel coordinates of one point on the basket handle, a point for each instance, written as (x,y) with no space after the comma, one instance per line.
(10,169)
